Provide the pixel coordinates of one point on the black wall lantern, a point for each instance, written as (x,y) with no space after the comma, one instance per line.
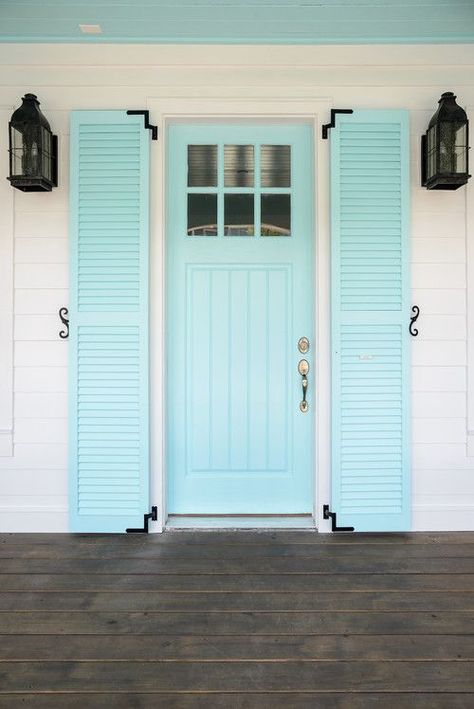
(445,147)
(33,149)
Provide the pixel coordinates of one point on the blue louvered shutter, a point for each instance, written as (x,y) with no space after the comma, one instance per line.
(108,441)
(370,317)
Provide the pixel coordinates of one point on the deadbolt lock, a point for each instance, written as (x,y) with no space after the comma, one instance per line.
(303,345)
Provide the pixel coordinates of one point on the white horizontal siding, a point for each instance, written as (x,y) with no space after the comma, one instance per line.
(445,275)
(33,482)
(447,456)
(441,327)
(90,77)
(436,405)
(41,275)
(40,223)
(45,455)
(432,379)
(44,250)
(438,353)
(439,430)
(37,301)
(41,380)
(39,406)
(37,327)
(449,223)
(33,353)
(439,301)
(439,250)
(53,430)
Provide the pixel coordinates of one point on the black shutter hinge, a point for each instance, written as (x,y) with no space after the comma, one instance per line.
(146,118)
(153,515)
(332,517)
(332,124)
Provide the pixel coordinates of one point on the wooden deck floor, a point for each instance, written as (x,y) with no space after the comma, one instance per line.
(237,619)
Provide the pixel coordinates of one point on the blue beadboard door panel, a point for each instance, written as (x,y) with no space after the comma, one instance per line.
(237,442)
(108,395)
(371,455)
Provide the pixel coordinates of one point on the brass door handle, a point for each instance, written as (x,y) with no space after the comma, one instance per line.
(303,369)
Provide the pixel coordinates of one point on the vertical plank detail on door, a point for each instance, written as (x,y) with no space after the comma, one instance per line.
(228,344)
(370,316)
(109,476)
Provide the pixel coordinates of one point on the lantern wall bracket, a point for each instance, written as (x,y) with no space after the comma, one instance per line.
(63,312)
(327,126)
(332,516)
(146,118)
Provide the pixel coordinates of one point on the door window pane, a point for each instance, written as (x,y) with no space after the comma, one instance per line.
(238,166)
(238,215)
(276,165)
(202,165)
(276,214)
(202,214)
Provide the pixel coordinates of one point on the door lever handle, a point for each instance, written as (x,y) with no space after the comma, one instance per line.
(303,369)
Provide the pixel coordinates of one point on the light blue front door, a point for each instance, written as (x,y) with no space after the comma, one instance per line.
(239,298)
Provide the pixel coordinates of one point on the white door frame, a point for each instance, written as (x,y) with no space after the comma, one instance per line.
(165,110)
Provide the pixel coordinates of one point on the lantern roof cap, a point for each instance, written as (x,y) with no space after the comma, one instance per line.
(448,110)
(29,112)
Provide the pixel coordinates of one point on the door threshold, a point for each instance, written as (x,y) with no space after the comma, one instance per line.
(303,521)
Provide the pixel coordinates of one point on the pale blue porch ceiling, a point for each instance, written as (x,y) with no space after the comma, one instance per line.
(239,21)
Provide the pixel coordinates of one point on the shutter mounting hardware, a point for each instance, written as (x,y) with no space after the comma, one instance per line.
(332,517)
(413,330)
(146,119)
(153,515)
(63,312)
(332,124)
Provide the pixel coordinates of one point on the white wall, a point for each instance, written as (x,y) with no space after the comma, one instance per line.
(302,80)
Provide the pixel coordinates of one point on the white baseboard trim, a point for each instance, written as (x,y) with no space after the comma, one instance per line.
(443,518)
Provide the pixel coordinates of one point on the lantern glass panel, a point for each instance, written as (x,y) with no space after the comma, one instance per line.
(460,148)
(447,135)
(431,167)
(32,148)
(46,153)
(17,151)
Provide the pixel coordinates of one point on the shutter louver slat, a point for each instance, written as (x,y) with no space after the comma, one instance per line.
(109,328)
(370,476)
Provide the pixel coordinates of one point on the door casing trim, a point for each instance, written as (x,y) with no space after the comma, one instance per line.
(167,110)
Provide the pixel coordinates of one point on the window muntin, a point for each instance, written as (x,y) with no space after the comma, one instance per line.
(239,190)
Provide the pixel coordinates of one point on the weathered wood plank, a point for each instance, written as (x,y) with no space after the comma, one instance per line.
(355,564)
(235,647)
(209,583)
(250,700)
(241,537)
(245,601)
(278,619)
(238,676)
(112,551)
(239,622)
